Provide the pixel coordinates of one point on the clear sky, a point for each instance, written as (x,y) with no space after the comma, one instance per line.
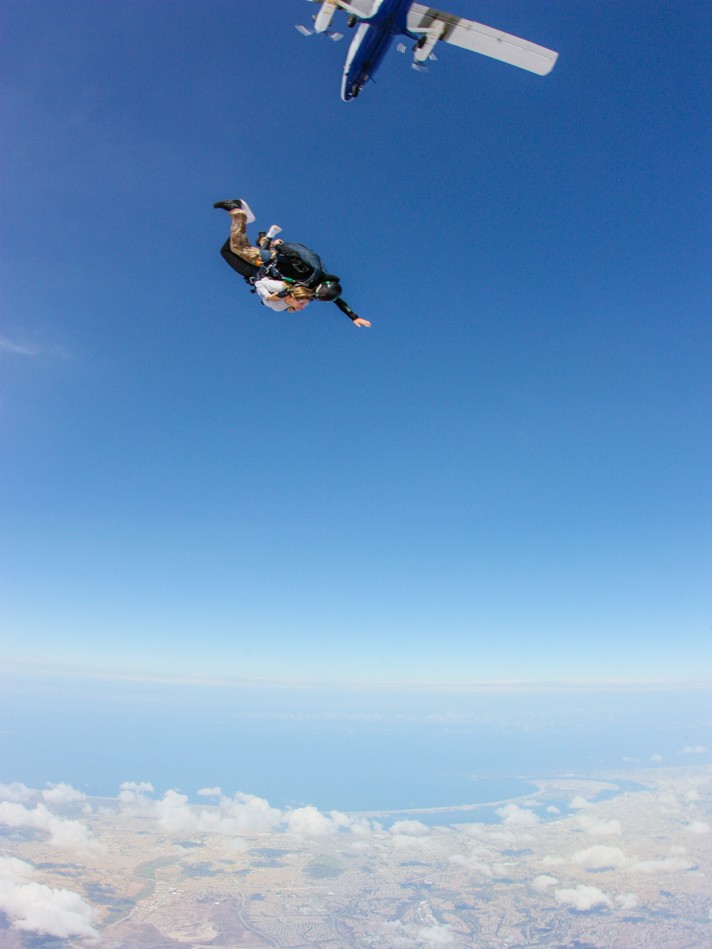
(507,477)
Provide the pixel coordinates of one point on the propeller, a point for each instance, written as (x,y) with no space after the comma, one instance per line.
(402,48)
(332,34)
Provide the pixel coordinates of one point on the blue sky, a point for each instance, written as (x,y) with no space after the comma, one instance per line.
(507,477)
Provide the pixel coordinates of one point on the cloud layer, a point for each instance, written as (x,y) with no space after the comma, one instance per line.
(38,908)
(617,850)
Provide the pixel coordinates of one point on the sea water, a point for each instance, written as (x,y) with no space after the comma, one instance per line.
(347,749)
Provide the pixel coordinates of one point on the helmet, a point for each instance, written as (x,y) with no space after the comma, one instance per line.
(328,290)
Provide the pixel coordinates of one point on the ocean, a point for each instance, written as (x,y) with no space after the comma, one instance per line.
(338,749)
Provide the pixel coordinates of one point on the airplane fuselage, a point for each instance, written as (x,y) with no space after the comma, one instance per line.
(377,22)
(374,37)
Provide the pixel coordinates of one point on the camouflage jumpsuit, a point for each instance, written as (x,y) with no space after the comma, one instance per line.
(239,243)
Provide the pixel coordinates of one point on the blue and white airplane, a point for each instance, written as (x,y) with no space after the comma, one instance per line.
(378,22)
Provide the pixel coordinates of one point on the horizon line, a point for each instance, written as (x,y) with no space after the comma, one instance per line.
(593,683)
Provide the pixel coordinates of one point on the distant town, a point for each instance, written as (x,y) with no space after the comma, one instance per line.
(595,861)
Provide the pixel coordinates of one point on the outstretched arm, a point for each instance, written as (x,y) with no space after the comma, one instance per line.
(354,317)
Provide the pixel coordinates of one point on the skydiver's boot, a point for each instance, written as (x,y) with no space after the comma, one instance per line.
(235,204)
(265,238)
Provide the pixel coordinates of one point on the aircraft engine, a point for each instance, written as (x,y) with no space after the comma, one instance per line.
(323,19)
(424,47)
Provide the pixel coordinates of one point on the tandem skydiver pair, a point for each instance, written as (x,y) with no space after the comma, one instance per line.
(285,276)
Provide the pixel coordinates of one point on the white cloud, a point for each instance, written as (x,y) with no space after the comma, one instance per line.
(131,791)
(413,828)
(361,827)
(133,796)
(553,809)
(63,794)
(627,901)
(233,845)
(497,835)
(667,803)
(478,863)
(579,803)
(436,935)
(698,827)
(174,814)
(34,907)
(515,816)
(543,882)
(408,842)
(667,865)
(657,759)
(19,349)
(599,828)
(249,814)
(16,792)
(553,861)
(693,750)
(64,834)
(71,835)
(582,897)
(481,859)
(598,857)
(241,814)
(506,838)
(310,822)
(410,935)
(137,787)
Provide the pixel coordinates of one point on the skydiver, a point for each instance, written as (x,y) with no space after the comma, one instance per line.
(285,276)
(248,261)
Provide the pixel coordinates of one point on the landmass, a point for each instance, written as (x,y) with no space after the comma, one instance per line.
(596,861)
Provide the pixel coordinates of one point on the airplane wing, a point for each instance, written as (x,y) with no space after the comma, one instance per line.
(482,39)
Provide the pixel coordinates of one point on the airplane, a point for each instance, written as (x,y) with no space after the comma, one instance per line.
(378,22)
